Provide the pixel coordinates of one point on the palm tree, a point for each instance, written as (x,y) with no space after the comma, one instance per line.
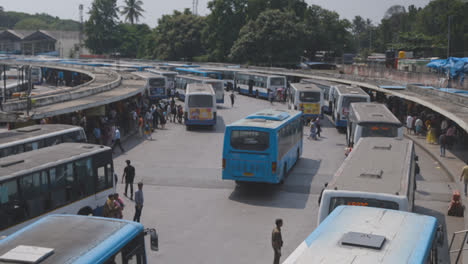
(132,11)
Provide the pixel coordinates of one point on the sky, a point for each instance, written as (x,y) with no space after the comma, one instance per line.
(154,9)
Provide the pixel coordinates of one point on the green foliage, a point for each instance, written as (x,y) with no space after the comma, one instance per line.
(101,28)
(133,40)
(23,21)
(274,37)
(178,36)
(132,10)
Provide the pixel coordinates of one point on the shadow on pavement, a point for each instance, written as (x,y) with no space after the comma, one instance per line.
(218,128)
(270,195)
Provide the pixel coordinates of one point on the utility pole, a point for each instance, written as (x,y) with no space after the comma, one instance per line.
(448,36)
(80,35)
(195,7)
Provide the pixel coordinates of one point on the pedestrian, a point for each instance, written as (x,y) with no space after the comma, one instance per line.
(317,123)
(109,209)
(117,140)
(271,96)
(418,124)
(118,205)
(444,126)
(162,118)
(148,131)
(313,131)
(140,126)
(409,124)
(430,136)
(139,199)
(97,135)
(450,136)
(155,117)
(443,144)
(232,96)
(173,112)
(277,240)
(129,176)
(464,175)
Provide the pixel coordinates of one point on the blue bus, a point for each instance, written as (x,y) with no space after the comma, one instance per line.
(359,234)
(58,239)
(199,72)
(262,147)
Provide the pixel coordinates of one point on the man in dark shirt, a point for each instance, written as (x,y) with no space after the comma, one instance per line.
(129,176)
(277,240)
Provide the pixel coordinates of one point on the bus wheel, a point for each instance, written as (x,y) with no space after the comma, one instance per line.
(285,171)
(85,211)
(239,183)
(297,156)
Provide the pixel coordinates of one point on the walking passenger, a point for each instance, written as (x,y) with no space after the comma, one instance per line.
(139,199)
(119,205)
(409,124)
(443,144)
(109,208)
(232,96)
(140,126)
(277,240)
(129,176)
(117,140)
(319,128)
(464,175)
(418,124)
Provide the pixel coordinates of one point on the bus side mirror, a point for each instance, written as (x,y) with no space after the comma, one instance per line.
(154,240)
(440,235)
(416,158)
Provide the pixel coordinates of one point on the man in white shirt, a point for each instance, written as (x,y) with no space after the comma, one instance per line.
(409,123)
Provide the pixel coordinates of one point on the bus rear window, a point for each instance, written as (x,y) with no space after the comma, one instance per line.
(156,82)
(347,100)
(309,97)
(357,201)
(379,131)
(200,100)
(249,140)
(277,81)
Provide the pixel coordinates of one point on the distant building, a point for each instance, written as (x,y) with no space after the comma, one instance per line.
(41,42)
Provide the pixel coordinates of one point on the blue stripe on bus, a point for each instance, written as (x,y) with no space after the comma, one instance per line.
(341,123)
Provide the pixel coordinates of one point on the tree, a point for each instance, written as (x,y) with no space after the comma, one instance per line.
(101,28)
(223,25)
(274,37)
(132,10)
(133,40)
(178,36)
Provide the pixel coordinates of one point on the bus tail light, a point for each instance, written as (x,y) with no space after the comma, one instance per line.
(185,115)
(224,164)
(273,167)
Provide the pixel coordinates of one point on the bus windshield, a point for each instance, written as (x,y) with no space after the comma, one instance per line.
(360,201)
(156,82)
(277,81)
(310,97)
(200,100)
(249,140)
(217,86)
(213,75)
(379,131)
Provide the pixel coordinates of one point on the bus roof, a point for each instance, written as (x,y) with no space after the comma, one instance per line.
(377,165)
(195,70)
(11,166)
(309,87)
(146,75)
(350,90)
(9,137)
(408,237)
(200,88)
(258,74)
(318,82)
(159,71)
(74,238)
(373,113)
(268,118)
(198,78)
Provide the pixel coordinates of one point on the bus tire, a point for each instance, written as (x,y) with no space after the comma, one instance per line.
(297,156)
(285,171)
(85,211)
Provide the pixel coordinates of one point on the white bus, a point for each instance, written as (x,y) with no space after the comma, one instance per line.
(155,84)
(69,178)
(200,105)
(183,80)
(259,85)
(307,98)
(326,87)
(344,96)
(364,235)
(170,76)
(379,172)
(371,120)
(34,137)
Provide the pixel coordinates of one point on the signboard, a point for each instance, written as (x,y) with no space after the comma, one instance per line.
(200,114)
(313,109)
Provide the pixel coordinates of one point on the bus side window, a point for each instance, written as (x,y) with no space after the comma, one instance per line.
(9,214)
(84,177)
(57,183)
(101,179)
(30,186)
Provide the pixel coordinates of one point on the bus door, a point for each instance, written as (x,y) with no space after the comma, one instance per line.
(249,155)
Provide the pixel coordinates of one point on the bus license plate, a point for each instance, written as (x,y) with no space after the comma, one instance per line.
(247,174)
